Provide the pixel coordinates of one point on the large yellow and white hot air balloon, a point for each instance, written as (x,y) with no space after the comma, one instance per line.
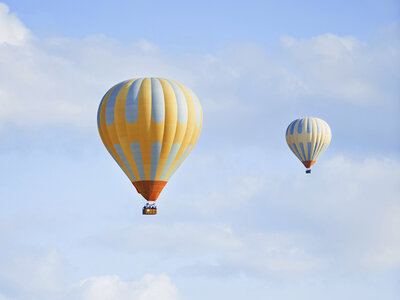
(149,126)
(308,138)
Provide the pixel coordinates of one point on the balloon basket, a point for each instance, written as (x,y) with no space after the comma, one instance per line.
(308,171)
(149,209)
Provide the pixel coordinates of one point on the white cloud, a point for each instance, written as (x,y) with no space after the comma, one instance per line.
(345,213)
(342,67)
(274,254)
(35,274)
(384,253)
(61,81)
(355,204)
(12,31)
(216,248)
(180,238)
(42,275)
(2,297)
(150,287)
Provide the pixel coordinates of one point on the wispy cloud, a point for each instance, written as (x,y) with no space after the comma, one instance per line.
(35,273)
(61,80)
(345,68)
(12,30)
(242,252)
(150,287)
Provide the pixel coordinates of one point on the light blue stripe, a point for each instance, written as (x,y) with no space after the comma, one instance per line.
(180,161)
(300,127)
(293,125)
(98,112)
(157,101)
(315,149)
(132,101)
(137,156)
(122,156)
(302,150)
(197,107)
(111,103)
(309,125)
(309,150)
(181,102)
(297,151)
(171,157)
(287,130)
(291,148)
(155,158)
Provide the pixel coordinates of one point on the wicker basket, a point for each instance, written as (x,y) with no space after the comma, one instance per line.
(149,211)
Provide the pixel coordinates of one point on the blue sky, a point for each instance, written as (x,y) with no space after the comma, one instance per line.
(206,24)
(240,218)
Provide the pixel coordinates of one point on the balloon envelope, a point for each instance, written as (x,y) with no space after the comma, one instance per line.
(149,126)
(308,138)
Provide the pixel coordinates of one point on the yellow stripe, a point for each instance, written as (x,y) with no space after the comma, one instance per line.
(171,121)
(107,133)
(190,126)
(198,128)
(193,140)
(121,128)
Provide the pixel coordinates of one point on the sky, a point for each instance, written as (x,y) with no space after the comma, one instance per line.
(239,219)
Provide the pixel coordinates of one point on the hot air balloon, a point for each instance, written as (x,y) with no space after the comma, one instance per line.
(149,126)
(308,138)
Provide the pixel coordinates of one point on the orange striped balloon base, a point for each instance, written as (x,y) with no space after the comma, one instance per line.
(308,163)
(149,189)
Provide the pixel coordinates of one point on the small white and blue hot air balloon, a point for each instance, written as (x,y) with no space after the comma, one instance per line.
(308,138)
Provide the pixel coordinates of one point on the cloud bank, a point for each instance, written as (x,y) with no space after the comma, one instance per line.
(45,82)
(262,219)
